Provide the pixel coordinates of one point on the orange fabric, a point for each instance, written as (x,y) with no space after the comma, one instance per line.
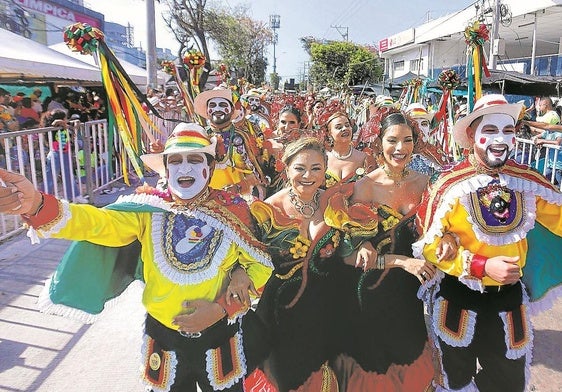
(404,378)
(257,381)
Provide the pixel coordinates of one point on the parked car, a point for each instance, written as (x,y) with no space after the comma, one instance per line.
(363,89)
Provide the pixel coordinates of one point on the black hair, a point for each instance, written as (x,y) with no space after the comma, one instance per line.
(396,118)
(291,109)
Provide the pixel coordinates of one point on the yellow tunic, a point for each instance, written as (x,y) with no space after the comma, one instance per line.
(460,213)
(169,281)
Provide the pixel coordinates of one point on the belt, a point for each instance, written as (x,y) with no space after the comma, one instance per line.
(195,335)
(497,289)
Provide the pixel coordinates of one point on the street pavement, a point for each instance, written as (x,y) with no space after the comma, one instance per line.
(45,353)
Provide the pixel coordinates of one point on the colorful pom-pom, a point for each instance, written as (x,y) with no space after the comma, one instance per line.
(194,59)
(448,80)
(83,38)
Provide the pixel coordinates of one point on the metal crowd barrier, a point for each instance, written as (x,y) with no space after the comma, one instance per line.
(546,159)
(64,174)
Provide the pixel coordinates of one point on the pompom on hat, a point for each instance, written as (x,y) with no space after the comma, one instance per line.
(186,138)
(488,104)
(417,110)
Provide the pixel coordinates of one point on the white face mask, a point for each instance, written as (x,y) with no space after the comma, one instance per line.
(188,174)
(423,124)
(219,110)
(494,138)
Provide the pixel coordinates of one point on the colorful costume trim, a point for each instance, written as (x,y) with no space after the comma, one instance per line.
(453,325)
(219,377)
(158,366)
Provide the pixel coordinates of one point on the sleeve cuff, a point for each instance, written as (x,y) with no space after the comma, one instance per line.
(48,212)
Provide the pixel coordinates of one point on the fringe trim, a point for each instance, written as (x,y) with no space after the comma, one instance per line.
(545,302)
(468,388)
(45,305)
(173,364)
(145,199)
(464,340)
(466,278)
(213,364)
(52,227)
(528,222)
(529,189)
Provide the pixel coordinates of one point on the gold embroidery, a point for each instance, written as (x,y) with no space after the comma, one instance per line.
(290,273)
(476,213)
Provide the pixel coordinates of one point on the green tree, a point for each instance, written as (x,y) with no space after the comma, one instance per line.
(240,41)
(341,64)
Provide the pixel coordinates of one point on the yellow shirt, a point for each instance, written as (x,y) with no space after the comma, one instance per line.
(186,254)
(461,211)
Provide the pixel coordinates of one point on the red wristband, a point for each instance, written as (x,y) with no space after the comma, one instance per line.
(235,308)
(477,265)
(48,212)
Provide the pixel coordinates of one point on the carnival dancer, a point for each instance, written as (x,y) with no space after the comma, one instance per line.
(505,218)
(345,162)
(299,303)
(191,236)
(257,114)
(238,167)
(385,344)
(422,162)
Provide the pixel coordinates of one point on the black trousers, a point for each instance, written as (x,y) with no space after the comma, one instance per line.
(488,344)
(190,370)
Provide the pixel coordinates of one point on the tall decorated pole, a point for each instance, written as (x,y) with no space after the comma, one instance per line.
(475,35)
(448,80)
(125,111)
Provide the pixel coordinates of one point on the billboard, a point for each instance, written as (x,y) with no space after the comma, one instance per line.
(44,21)
(403,38)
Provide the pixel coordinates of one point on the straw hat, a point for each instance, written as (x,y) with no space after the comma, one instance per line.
(200,101)
(186,138)
(488,104)
(417,110)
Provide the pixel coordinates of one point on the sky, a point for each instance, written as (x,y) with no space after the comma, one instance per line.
(365,21)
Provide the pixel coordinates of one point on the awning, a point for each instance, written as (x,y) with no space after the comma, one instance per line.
(22,59)
(516,83)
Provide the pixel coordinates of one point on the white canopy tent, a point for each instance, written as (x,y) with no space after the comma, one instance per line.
(22,59)
(137,74)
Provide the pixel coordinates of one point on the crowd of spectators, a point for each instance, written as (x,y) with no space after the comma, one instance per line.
(21,111)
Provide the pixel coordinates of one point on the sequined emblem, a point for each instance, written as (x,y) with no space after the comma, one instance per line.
(154,361)
(189,242)
(497,209)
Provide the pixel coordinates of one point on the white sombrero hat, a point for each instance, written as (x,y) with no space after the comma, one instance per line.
(488,104)
(201,99)
(186,137)
(417,110)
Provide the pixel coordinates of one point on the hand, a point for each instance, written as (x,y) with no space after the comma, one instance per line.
(503,269)
(156,147)
(19,196)
(421,269)
(240,287)
(198,315)
(366,256)
(447,247)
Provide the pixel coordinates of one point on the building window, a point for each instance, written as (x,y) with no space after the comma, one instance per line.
(399,65)
(416,65)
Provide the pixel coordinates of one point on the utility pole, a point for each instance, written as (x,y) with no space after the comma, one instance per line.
(344,32)
(495,32)
(274,24)
(152,80)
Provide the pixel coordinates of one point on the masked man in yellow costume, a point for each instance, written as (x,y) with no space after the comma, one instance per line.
(506,219)
(237,168)
(192,237)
